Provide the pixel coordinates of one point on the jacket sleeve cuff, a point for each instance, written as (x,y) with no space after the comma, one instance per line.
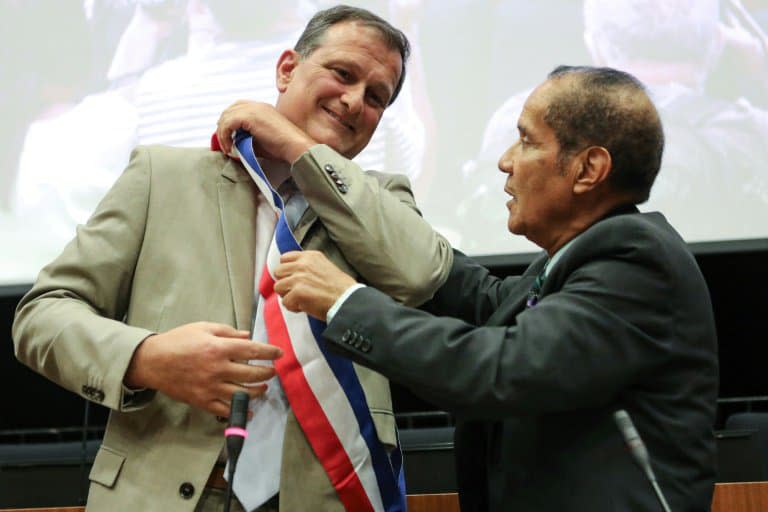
(341,300)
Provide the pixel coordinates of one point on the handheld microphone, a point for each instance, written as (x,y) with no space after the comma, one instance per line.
(639,452)
(235,435)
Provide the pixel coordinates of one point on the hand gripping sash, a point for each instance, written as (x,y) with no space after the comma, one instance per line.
(322,388)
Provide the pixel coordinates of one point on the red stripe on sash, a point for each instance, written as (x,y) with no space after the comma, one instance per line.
(307,409)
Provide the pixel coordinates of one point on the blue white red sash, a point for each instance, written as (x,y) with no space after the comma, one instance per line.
(322,388)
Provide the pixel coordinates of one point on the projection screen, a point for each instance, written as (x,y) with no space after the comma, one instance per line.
(86,81)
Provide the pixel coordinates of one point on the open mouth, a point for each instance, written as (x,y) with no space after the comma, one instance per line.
(339,119)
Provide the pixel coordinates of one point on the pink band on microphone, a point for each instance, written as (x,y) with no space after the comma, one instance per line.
(236,431)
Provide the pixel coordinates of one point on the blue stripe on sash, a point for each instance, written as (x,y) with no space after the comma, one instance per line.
(389,473)
(244,144)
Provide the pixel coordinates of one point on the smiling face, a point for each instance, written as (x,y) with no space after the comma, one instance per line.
(540,184)
(338,93)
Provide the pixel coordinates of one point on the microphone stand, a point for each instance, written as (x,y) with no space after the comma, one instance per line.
(639,452)
(228,496)
(84,454)
(235,435)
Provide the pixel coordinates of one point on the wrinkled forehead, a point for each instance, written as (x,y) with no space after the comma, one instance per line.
(544,95)
(546,92)
(356,36)
(536,103)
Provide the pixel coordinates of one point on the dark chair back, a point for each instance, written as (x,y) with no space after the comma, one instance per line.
(758,422)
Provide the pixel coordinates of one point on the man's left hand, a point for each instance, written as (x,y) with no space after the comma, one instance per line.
(310,283)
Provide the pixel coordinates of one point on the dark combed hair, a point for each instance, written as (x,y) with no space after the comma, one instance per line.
(609,108)
(312,37)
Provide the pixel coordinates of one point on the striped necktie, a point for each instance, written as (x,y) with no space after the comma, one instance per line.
(535,292)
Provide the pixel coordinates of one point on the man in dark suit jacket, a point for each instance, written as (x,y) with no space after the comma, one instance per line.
(536,370)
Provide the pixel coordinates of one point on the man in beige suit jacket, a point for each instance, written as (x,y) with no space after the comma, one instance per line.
(147,310)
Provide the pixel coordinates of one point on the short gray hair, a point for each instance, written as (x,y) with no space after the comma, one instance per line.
(312,37)
(609,108)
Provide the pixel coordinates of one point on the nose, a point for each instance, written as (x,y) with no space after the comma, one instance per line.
(506,160)
(353,98)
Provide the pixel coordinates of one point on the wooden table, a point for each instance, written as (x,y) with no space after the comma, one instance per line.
(731,497)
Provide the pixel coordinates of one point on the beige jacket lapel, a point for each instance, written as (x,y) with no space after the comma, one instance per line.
(237,210)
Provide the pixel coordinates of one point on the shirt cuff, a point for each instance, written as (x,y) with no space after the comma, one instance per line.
(134,398)
(340,301)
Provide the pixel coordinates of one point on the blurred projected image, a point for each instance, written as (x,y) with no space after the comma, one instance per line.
(706,66)
(117,73)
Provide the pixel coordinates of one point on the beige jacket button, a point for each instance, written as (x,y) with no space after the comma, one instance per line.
(186,490)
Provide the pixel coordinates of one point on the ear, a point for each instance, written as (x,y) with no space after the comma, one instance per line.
(286,65)
(593,166)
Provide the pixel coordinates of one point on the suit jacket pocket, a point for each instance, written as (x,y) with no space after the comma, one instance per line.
(384,421)
(376,389)
(106,466)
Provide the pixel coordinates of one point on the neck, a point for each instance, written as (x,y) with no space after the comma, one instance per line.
(577,224)
(275,171)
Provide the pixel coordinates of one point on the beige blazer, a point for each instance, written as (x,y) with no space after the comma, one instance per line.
(173,242)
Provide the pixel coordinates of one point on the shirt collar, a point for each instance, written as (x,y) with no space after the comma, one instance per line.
(559,254)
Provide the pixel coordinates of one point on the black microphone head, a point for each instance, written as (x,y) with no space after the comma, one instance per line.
(236,434)
(238,411)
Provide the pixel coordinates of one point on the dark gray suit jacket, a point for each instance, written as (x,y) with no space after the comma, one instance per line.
(624,322)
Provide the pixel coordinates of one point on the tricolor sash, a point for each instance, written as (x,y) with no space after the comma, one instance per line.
(322,388)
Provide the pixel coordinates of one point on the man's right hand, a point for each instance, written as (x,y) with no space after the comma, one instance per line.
(274,136)
(202,364)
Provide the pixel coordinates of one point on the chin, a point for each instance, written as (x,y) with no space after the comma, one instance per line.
(340,146)
(326,135)
(347,150)
(351,153)
(513,227)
